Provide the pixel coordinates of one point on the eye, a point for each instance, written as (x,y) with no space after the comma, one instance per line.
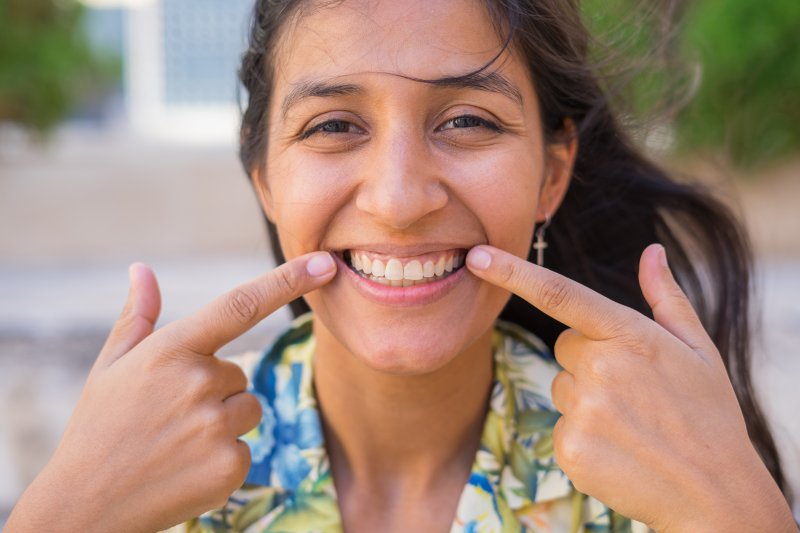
(469,121)
(331,126)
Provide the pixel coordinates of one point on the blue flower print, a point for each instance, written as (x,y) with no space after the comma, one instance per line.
(286,429)
(262,444)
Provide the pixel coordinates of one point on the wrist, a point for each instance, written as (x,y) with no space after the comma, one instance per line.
(56,502)
(752,503)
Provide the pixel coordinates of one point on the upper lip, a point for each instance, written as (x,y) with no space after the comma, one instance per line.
(404,250)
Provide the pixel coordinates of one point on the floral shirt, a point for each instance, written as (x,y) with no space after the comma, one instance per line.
(515,484)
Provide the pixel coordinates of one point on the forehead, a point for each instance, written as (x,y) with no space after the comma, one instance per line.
(423,39)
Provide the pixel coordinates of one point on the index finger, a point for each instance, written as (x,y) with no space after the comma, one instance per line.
(235,312)
(563,299)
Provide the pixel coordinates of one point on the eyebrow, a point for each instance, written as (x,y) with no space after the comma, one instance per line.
(482,81)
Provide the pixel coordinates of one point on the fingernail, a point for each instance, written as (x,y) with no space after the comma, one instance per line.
(320,264)
(662,257)
(479,259)
(135,272)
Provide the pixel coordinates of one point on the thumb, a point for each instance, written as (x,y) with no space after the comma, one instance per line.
(138,317)
(671,308)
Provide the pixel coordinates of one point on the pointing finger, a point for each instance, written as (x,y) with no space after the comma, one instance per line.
(234,313)
(563,299)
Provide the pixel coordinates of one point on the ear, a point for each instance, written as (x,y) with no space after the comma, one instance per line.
(262,189)
(561,154)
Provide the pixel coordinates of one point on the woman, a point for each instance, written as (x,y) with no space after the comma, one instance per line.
(409,157)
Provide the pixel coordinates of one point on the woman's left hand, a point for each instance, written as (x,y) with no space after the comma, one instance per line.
(651,425)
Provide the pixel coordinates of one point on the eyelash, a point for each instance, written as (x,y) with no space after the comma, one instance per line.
(480,122)
(319,128)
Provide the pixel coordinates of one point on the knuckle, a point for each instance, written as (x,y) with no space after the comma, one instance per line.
(509,273)
(555,295)
(239,378)
(127,311)
(199,380)
(634,337)
(286,280)
(125,320)
(563,341)
(601,367)
(569,450)
(253,409)
(594,408)
(242,304)
(212,419)
(233,462)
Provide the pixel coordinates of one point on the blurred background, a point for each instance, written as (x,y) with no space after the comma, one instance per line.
(118,134)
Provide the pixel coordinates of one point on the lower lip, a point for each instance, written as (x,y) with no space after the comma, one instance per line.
(401,296)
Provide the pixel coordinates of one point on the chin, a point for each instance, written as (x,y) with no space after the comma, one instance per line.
(407,351)
(407,341)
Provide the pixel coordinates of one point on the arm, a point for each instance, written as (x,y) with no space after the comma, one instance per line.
(153,439)
(650,422)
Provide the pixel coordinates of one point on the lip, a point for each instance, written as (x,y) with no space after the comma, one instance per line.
(391,250)
(416,295)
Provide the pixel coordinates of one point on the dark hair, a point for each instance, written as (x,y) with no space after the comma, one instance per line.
(619,201)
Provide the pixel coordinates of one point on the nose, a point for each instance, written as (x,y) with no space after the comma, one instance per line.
(401,183)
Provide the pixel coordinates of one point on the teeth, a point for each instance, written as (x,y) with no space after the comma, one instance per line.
(439,269)
(395,274)
(412,271)
(394,270)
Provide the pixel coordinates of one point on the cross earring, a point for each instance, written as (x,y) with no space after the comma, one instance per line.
(540,243)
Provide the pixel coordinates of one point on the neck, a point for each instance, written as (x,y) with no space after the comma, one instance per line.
(386,431)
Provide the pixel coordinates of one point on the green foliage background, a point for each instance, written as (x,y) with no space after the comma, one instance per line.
(739,60)
(724,73)
(749,99)
(47,68)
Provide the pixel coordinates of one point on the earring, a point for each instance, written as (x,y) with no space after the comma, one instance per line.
(540,243)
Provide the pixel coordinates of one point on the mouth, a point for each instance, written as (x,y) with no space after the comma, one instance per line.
(410,271)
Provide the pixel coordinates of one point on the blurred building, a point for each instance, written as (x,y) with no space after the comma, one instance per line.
(180,59)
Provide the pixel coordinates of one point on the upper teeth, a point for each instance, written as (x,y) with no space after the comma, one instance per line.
(393,269)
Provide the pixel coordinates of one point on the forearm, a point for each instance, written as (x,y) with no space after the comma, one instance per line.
(56,503)
(755,503)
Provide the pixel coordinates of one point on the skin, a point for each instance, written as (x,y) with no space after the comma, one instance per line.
(391,172)
(150,394)
(422,394)
(399,175)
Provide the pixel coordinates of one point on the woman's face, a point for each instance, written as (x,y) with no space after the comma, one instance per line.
(401,176)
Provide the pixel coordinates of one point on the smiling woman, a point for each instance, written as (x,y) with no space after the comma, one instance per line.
(406,155)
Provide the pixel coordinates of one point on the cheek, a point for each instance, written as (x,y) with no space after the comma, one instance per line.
(306,196)
(503,193)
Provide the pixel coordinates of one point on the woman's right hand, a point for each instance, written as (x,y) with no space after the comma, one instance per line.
(153,440)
